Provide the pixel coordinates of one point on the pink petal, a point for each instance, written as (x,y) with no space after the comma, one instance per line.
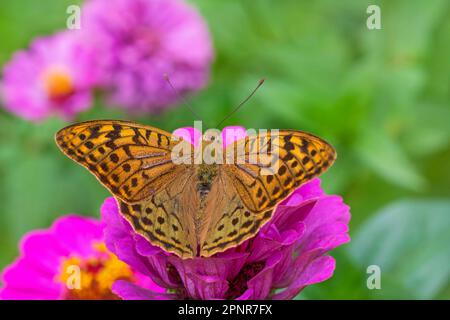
(319,270)
(77,234)
(205,287)
(25,278)
(261,284)
(129,291)
(47,260)
(190,134)
(231,134)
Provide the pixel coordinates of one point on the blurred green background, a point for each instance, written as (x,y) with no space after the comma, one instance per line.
(381,97)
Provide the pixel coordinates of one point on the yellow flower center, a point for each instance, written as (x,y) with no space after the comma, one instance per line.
(58,84)
(92,278)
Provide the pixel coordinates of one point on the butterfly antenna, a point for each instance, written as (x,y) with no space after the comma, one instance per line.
(260,83)
(180,97)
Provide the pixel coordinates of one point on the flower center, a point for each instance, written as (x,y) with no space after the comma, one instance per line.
(180,292)
(92,278)
(147,41)
(58,84)
(239,284)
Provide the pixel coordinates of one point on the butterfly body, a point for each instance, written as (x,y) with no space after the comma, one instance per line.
(206,173)
(193,208)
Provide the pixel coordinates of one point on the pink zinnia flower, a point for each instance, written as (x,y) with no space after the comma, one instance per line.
(138,41)
(288,254)
(67,261)
(53,77)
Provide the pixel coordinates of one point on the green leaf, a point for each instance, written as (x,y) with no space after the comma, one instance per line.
(428,130)
(409,241)
(381,153)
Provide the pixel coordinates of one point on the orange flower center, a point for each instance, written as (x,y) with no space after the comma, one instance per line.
(58,84)
(92,278)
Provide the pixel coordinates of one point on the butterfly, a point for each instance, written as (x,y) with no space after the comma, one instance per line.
(189,208)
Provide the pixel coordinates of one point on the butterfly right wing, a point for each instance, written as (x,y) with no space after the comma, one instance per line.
(229,221)
(285,160)
(246,193)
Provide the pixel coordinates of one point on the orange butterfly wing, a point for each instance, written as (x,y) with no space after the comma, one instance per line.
(160,198)
(130,160)
(246,193)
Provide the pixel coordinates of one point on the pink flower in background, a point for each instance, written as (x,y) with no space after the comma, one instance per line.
(53,77)
(50,261)
(288,254)
(138,41)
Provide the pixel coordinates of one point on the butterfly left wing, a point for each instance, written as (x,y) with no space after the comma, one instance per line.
(246,193)
(166,219)
(132,161)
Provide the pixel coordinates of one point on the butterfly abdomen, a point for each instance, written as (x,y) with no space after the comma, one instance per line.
(205,176)
(203,189)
